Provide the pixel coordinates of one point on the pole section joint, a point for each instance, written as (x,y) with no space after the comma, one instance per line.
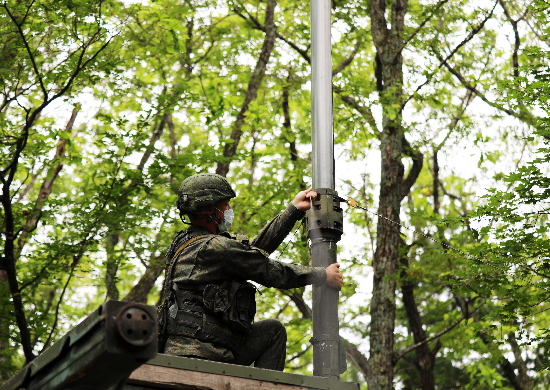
(325,220)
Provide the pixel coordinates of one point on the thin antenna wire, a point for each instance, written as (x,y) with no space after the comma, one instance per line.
(467,255)
(354,204)
(287,243)
(295,231)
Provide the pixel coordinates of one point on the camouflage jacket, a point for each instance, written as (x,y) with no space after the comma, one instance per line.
(213,258)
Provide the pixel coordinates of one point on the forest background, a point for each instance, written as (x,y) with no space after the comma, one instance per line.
(441,131)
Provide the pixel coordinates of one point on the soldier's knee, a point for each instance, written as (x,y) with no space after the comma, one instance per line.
(275,325)
(270,327)
(276,328)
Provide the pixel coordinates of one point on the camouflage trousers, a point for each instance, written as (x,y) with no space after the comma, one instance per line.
(265,346)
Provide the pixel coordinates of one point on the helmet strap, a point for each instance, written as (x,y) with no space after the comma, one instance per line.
(204,216)
(182,217)
(210,218)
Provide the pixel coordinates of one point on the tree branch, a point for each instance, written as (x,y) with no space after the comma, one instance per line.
(521,365)
(301,353)
(365,111)
(47,185)
(140,291)
(348,60)
(418,160)
(157,132)
(230,148)
(526,116)
(287,125)
(257,25)
(296,296)
(26,44)
(76,259)
(430,14)
(517,40)
(443,61)
(435,336)
(359,360)
(465,102)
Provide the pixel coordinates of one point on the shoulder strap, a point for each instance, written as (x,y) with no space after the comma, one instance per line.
(170,266)
(185,244)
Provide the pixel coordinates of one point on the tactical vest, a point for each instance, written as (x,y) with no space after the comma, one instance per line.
(219,313)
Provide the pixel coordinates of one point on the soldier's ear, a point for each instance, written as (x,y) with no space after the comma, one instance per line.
(202,214)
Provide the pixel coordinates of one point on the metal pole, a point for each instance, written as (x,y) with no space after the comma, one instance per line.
(324,219)
(321,95)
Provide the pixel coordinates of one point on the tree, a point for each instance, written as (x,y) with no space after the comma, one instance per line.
(212,86)
(517,226)
(45,56)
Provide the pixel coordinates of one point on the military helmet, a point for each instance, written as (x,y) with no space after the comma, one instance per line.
(202,191)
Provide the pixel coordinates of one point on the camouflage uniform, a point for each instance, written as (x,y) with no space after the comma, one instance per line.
(212,258)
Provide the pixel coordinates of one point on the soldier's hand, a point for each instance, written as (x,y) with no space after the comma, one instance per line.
(302,200)
(335,279)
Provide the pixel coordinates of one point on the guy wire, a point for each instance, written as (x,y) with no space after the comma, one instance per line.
(467,255)
(352,203)
(295,231)
(288,242)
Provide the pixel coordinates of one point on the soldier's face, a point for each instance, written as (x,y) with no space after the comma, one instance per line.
(221,206)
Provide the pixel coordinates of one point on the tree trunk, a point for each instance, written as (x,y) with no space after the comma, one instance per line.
(425,358)
(111,266)
(6,351)
(140,291)
(389,43)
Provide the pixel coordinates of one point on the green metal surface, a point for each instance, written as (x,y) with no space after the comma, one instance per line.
(99,353)
(198,365)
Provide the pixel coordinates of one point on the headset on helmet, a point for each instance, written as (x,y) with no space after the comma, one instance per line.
(202,191)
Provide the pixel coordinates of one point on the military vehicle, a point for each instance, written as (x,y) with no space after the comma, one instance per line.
(99,353)
(115,348)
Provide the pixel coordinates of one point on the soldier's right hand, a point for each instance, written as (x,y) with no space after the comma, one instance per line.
(335,279)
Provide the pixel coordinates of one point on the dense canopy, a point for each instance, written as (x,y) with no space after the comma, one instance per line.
(441,132)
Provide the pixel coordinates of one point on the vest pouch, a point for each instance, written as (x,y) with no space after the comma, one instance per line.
(234,302)
(203,327)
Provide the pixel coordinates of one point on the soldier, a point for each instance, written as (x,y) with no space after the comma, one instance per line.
(209,306)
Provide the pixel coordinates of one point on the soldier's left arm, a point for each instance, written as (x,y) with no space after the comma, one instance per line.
(275,231)
(273,234)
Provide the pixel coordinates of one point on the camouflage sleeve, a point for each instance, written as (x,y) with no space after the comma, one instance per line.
(224,258)
(275,231)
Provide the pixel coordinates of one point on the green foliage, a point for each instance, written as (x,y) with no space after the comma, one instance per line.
(156,88)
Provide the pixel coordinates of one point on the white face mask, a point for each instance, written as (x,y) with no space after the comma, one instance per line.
(228,217)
